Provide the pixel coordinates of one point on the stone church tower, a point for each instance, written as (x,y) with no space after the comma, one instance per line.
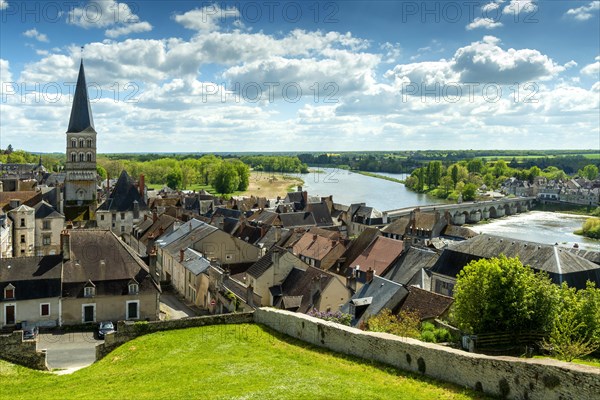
(81,176)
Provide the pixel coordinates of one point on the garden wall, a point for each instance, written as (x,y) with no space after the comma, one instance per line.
(507,377)
(17,351)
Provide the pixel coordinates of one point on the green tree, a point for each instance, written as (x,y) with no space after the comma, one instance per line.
(500,168)
(590,172)
(243,172)
(533,173)
(447,184)
(502,295)
(469,192)
(174,179)
(101,171)
(9,149)
(226,179)
(475,166)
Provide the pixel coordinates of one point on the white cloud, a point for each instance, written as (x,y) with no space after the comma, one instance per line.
(486,23)
(570,64)
(3,4)
(516,7)
(5,75)
(129,28)
(492,6)
(33,33)
(392,52)
(593,69)
(206,19)
(584,13)
(105,13)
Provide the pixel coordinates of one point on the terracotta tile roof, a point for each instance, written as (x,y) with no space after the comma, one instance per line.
(380,254)
(425,303)
(29,198)
(314,246)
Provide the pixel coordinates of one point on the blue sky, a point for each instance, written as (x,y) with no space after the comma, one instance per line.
(304,76)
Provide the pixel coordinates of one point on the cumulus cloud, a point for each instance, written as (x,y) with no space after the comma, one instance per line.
(3,4)
(5,75)
(516,7)
(494,5)
(486,23)
(34,34)
(105,13)
(206,19)
(593,69)
(584,13)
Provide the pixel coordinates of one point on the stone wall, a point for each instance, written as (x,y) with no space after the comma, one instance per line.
(17,351)
(507,377)
(128,330)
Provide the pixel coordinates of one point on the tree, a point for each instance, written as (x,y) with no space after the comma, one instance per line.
(533,173)
(226,179)
(9,149)
(174,179)
(475,166)
(469,192)
(101,171)
(590,172)
(447,184)
(502,295)
(243,172)
(500,168)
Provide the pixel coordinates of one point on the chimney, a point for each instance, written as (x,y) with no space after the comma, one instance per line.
(141,185)
(136,209)
(351,282)
(225,274)
(65,244)
(107,184)
(299,188)
(181,255)
(277,234)
(152,264)
(145,217)
(369,275)
(154,216)
(250,296)
(161,230)
(275,257)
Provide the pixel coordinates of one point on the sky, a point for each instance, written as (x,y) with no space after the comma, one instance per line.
(264,76)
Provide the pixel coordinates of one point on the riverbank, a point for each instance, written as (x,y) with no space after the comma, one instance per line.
(374,175)
(271,185)
(568,209)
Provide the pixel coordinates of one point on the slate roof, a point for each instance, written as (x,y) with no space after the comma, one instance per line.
(379,256)
(200,232)
(398,226)
(360,244)
(227,212)
(314,246)
(561,264)
(123,195)
(178,232)
(163,221)
(101,257)
(298,288)
(32,277)
(263,217)
(45,210)
(410,263)
(194,262)
(81,112)
(425,303)
(460,232)
(384,294)
(297,219)
(275,235)
(262,265)
(321,213)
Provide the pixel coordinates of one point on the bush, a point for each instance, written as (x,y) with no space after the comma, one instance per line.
(338,316)
(429,333)
(590,228)
(405,324)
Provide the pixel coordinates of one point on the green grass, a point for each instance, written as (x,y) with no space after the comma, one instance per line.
(375,175)
(225,362)
(586,360)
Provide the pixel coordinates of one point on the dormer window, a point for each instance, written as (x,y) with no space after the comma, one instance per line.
(89,290)
(134,288)
(9,292)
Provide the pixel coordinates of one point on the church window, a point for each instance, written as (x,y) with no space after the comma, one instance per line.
(73,157)
(89,143)
(89,157)
(81,142)
(81,157)
(73,142)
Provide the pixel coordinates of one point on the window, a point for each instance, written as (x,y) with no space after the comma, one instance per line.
(74,157)
(122,216)
(89,157)
(89,291)
(22,222)
(46,224)
(73,142)
(122,229)
(132,309)
(22,238)
(46,240)
(81,142)
(90,143)
(9,292)
(44,309)
(134,288)
(102,217)
(81,157)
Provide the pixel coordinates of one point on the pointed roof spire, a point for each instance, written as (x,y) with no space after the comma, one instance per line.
(81,111)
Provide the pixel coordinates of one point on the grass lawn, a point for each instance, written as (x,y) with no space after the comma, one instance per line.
(587,360)
(224,362)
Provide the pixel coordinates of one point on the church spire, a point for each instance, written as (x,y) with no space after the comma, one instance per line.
(81,111)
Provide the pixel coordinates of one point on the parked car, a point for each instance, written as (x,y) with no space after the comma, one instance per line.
(30,333)
(104,328)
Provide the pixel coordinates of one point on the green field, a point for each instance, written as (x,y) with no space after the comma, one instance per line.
(224,362)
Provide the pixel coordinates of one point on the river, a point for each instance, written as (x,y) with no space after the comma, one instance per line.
(536,226)
(349,187)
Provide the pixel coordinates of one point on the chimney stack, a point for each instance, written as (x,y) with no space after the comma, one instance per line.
(250,296)
(65,244)
(181,255)
(136,209)
(141,185)
(369,275)
(107,184)
(152,264)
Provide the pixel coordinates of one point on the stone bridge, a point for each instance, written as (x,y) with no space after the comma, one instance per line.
(472,212)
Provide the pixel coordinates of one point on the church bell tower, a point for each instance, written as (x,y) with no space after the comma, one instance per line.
(81,176)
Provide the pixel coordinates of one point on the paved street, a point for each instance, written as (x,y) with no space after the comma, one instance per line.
(173,308)
(69,351)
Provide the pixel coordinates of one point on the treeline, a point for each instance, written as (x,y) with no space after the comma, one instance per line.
(52,162)
(276,164)
(465,177)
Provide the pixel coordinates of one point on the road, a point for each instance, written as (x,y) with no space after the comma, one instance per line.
(68,351)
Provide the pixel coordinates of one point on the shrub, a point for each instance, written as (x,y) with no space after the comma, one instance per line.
(428,336)
(405,324)
(338,316)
